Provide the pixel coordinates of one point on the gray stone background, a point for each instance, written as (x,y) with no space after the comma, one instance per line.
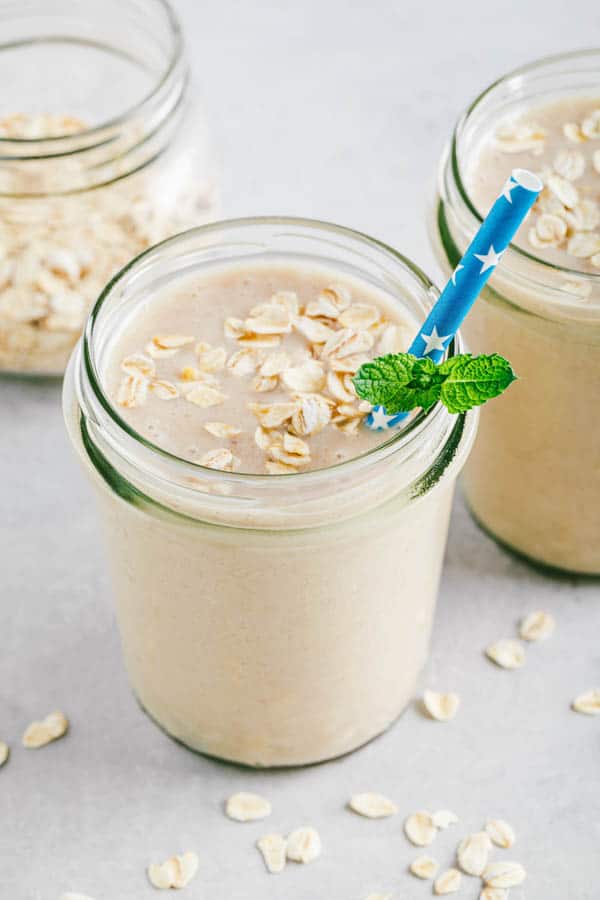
(337,110)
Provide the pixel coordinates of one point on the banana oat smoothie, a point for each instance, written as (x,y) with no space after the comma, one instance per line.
(533,478)
(276,563)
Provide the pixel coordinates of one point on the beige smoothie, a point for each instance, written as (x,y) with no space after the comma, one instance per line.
(275,562)
(533,479)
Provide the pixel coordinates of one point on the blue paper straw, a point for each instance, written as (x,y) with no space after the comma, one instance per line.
(469,277)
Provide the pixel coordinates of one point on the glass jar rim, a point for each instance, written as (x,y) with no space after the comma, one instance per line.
(401,438)
(520,71)
(115,121)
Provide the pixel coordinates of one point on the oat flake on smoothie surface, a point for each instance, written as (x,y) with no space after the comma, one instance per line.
(249,369)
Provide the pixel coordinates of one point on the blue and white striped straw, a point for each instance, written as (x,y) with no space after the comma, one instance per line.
(469,277)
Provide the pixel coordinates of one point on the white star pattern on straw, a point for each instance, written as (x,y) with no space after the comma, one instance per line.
(508,212)
(489,259)
(434,341)
(508,187)
(380,419)
(455,273)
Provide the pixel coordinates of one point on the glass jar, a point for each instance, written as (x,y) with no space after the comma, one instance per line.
(101,155)
(269,619)
(533,479)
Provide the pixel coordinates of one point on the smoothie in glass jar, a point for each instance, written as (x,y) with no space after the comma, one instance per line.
(275,562)
(533,479)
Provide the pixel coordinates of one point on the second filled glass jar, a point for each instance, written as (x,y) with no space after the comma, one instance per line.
(533,479)
(270,619)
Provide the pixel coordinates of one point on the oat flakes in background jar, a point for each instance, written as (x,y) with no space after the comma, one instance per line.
(533,478)
(103,152)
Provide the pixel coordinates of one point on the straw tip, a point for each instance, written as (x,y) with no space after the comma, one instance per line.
(528,180)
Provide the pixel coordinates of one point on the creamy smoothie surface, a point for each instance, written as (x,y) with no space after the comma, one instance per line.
(560,141)
(249,368)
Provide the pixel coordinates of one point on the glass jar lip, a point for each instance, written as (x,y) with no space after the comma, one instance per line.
(527,68)
(127,114)
(400,438)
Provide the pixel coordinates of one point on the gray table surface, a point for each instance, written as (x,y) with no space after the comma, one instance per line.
(337,110)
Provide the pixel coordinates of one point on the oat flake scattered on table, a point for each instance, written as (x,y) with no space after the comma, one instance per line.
(501,833)
(424,867)
(442,707)
(372,806)
(537,626)
(419,829)
(443,818)
(273,849)
(40,733)
(247,807)
(506,653)
(71,896)
(504,874)
(588,703)
(473,852)
(303,845)
(490,893)
(448,882)
(175,872)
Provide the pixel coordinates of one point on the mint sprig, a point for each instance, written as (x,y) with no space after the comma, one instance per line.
(401,382)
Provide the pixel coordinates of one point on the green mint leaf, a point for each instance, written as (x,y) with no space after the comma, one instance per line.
(472,380)
(400,382)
